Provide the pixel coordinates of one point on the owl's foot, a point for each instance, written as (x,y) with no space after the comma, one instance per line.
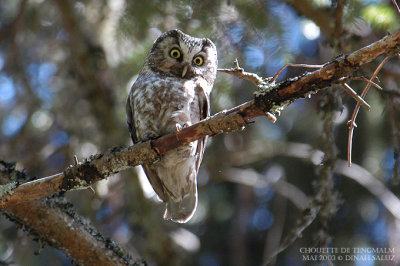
(179,127)
(187,124)
(149,135)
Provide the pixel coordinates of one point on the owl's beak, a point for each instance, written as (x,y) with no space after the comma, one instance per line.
(184,70)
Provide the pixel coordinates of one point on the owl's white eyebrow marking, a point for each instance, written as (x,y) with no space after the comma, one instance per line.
(190,44)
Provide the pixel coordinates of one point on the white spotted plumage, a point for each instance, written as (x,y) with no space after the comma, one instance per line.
(171,93)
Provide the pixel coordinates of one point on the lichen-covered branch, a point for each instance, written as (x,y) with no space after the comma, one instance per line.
(55,222)
(269,98)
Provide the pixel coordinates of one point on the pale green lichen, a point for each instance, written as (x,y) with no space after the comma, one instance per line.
(264,87)
(279,107)
(7,188)
(80,184)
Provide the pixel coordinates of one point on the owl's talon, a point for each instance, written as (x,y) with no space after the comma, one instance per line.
(187,124)
(149,135)
(178,127)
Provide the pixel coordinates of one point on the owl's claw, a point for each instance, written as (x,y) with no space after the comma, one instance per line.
(179,127)
(149,135)
(187,124)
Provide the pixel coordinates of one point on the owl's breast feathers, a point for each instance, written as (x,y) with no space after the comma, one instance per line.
(159,104)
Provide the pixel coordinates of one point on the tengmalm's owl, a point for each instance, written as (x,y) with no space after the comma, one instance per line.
(172,92)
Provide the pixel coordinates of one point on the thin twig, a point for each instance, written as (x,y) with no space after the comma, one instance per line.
(91,189)
(239,72)
(352,121)
(293,65)
(76,162)
(366,80)
(271,117)
(355,96)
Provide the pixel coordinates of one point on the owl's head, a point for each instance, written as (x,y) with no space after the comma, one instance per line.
(177,54)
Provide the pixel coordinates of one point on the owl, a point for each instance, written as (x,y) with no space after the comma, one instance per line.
(172,92)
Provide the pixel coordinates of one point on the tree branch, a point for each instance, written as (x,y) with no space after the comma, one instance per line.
(269,97)
(55,221)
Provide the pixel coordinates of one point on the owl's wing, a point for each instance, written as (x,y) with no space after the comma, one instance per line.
(129,114)
(183,210)
(154,181)
(151,174)
(204,107)
(204,111)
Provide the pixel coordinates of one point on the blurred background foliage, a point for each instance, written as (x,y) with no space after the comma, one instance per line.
(66,69)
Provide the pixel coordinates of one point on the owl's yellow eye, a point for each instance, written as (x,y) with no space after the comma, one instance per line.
(198,60)
(175,53)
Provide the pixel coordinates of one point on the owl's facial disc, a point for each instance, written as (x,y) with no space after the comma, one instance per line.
(179,55)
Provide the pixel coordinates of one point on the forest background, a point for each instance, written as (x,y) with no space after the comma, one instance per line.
(66,70)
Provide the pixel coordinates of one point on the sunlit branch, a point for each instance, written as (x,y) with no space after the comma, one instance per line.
(293,65)
(364,79)
(240,73)
(355,96)
(268,98)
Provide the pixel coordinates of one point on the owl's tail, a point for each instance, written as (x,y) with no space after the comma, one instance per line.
(182,211)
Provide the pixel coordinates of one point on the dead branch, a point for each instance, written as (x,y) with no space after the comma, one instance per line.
(364,79)
(267,99)
(240,73)
(355,96)
(352,122)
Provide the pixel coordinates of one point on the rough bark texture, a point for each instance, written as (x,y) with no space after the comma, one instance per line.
(53,220)
(68,232)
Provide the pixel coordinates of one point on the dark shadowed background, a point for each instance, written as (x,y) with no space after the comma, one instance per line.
(66,69)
